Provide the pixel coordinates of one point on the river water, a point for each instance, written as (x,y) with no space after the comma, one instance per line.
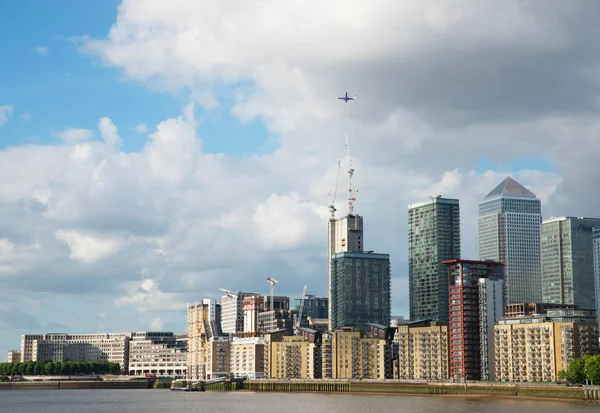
(150,401)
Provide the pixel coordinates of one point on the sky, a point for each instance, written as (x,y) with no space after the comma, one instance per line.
(153,152)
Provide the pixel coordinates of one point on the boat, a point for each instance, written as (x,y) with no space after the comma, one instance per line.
(184,388)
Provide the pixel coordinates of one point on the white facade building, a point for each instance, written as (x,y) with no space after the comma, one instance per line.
(111,347)
(491,309)
(509,229)
(232,313)
(345,235)
(247,357)
(159,353)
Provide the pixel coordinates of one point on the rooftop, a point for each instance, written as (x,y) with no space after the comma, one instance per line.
(510,188)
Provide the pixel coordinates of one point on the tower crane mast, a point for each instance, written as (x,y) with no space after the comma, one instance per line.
(299,320)
(333,194)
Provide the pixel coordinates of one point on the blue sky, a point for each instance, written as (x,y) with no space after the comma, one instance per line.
(53,86)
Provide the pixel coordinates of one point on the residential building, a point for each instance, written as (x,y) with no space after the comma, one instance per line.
(14,356)
(344,235)
(357,357)
(433,237)
(253,306)
(270,338)
(536,348)
(269,321)
(509,232)
(423,348)
(360,289)
(345,354)
(318,324)
(596,240)
(232,314)
(110,347)
(218,357)
(203,324)
(474,289)
(159,353)
(247,358)
(326,355)
(567,253)
(491,309)
(296,357)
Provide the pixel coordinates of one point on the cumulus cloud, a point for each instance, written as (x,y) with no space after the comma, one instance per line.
(73,135)
(108,131)
(88,248)
(140,128)
(5,113)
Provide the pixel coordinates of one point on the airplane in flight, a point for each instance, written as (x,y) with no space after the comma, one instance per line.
(347,98)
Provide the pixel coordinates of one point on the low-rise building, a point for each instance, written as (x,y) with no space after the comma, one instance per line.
(102,347)
(296,357)
(423,351)
(14,356)
(159,353)
(218,357)
(537,348)
(354,356)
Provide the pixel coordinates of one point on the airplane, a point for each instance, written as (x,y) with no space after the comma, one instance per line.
(347,98)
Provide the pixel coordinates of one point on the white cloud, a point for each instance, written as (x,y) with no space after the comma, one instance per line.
(140,128)
(156,324)
(5,113)
(42,50)
(108,131)
(89,248)
(73,135)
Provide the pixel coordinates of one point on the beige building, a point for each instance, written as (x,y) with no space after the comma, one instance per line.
(14,356)
(422,351)
(247,358)
(535,349)
(293,357)
(111,347)
(218,356)
(203,324)
(159,353)
(356,357)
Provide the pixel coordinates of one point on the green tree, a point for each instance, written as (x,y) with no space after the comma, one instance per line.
(49,368)
(37,369)
(592,368)
(575,373)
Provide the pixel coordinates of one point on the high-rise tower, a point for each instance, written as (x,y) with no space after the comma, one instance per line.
(433,237)
(568,261)
(508,231)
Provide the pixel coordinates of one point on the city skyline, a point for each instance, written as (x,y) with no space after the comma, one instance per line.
(123,201)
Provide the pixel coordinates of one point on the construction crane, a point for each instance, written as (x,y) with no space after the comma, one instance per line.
(299,320)
(272,282)
(333,195)
(229,293)
(351,190)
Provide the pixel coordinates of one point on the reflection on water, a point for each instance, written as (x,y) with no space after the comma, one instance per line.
(148,401)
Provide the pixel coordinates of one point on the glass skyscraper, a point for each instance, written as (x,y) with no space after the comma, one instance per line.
(508,230)
(360,289)
(568,261)
(433,237)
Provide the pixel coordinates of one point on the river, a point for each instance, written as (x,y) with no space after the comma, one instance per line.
(150,401)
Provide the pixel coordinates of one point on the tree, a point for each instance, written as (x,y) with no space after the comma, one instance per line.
(49,368)
(592,368)
(575,373)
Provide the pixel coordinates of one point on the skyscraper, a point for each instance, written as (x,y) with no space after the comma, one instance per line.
(474,309)
(568,261)
(360,289)
(345,235)
(596,236)
(433,237)
(509,232)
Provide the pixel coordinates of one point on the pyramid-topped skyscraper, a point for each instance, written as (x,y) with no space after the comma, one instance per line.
(509,229)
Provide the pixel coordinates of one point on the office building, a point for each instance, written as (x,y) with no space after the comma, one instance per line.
(360,289)
(433,237)
(568,261)
(159,353)
(423,348)
(475,300)
(100,347)
(344,235)
(509,232)
(596,241)
(203,324)
(232,314)
(269,321)
(522,309)
(537,348)
(314,308)
(247,358)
